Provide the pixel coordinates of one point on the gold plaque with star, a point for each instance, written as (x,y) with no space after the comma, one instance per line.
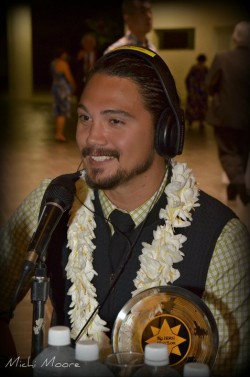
(170,315)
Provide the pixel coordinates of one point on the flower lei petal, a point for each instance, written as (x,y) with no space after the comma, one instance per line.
(156,259)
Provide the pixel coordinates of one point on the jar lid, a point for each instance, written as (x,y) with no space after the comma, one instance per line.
(196,370)
(87,350)
(156,354)
(59,336)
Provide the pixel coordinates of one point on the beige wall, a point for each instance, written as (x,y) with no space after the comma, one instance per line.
(213,26)
(19,28)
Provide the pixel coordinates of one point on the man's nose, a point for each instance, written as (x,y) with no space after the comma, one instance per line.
(96,135)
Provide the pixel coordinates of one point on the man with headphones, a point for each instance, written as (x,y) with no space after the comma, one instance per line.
(130,127)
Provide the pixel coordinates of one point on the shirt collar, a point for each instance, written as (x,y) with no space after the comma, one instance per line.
(138,214)
(133,40)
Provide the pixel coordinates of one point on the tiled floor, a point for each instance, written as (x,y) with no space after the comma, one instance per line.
(29,154)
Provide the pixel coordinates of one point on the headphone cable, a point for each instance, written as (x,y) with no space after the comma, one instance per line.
(131,245)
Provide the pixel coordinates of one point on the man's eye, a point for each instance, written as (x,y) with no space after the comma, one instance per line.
(83,117)
(116,122)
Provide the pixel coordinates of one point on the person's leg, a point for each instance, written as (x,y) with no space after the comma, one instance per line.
(229,142)
(60,126)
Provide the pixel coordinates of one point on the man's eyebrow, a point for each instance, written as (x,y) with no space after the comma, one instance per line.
(116,112)
(108,111)
(81,106)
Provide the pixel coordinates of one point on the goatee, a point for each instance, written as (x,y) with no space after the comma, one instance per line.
(118,178)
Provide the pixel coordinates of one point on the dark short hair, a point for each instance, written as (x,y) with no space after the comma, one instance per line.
(138,70)
(59,51)
(129,5)
(201,58)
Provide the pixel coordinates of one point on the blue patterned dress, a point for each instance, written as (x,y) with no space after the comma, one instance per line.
(61,92)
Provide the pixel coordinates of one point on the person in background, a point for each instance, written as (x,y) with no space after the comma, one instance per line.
(138,19)
(197,96)
(86,57)
(63,87)
(228,84)
(138,218)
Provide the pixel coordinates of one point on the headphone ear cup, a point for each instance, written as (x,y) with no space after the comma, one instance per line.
(167,134)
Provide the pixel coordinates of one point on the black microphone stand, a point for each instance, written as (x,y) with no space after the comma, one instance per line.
(39,296)
(57,199)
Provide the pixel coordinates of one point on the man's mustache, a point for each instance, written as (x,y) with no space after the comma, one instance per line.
(92,151)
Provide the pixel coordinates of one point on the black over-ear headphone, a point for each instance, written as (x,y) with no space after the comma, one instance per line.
(169,135)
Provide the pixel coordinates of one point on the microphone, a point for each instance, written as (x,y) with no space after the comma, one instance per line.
(57,199)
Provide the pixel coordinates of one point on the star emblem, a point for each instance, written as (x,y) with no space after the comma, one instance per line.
(172,331)
(169,336)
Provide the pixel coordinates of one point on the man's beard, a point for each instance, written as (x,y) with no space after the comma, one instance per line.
(121,176)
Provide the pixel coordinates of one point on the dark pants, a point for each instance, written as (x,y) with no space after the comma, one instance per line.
(233,149)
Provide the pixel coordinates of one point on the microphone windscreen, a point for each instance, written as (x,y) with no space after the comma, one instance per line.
(62,190)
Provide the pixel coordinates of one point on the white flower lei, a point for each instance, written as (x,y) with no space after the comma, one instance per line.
(156,259)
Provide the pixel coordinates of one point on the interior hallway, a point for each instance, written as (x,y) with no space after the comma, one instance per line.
(29,154)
